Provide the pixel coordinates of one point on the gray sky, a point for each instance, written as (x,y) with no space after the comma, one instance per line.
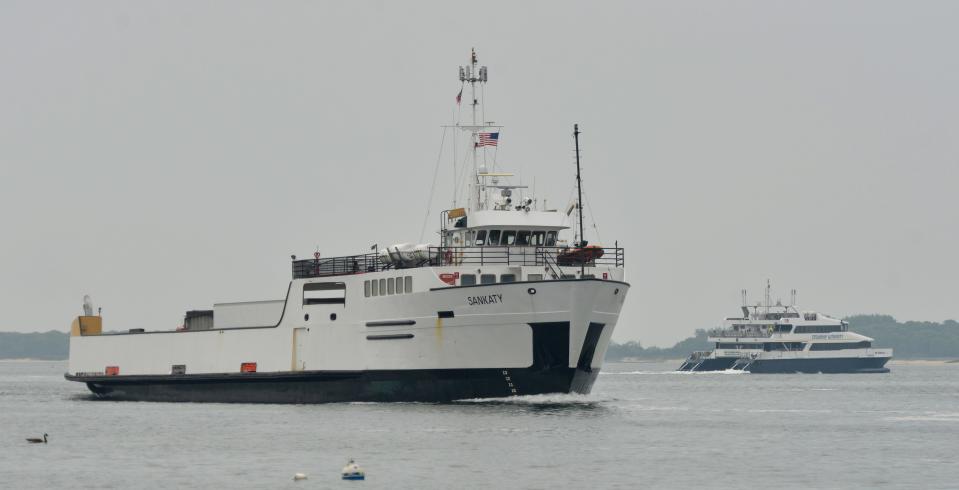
(165,156)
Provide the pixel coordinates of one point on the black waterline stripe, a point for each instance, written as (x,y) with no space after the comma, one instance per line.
(390,323)
(390,337)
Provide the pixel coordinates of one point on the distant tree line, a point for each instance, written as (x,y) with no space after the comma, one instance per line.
(910,340)
(52,345)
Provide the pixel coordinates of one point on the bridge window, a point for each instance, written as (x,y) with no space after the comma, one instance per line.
(467,279)
(493,237)
(509,237)
(324,293)
(480,238)
(551,239)
(488,279)
(522,238)
(539,238)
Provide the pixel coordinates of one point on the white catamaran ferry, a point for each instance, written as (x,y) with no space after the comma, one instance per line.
(504,305)
(782,339)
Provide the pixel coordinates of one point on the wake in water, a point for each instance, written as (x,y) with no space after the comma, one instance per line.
(685,373)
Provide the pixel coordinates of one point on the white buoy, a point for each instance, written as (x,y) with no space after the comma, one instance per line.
(299,476)
(352,471)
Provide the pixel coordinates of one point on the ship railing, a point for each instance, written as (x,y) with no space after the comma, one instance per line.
(338,266)
(742,333)
(552,259)
(519,255)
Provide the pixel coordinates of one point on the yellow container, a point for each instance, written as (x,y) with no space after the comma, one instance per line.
(86,325)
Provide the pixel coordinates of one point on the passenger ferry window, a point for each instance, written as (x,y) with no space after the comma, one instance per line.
(493,237)
(551,239)
(488,279)
(509,237)
(382,287)
(534,277)
(507,278)
(522,238)
(324,293)
(539,238)
(389,286)
(480,238)
(399,285)
(366,288)
(409,284)
(467,279)
(375,287)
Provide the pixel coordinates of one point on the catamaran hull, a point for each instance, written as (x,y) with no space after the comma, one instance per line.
(789,366)
(332,387)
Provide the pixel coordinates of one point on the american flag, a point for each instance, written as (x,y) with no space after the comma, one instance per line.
(488,139)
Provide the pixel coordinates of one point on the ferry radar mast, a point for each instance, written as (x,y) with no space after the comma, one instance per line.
(474,74)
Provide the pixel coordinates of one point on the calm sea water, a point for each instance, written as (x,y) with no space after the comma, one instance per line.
(642,427)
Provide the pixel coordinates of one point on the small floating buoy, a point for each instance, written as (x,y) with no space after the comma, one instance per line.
(352,471)
(299,476)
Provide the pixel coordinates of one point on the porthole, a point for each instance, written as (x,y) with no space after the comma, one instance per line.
(306,317)
(332,316)
(616,291)
(531,290)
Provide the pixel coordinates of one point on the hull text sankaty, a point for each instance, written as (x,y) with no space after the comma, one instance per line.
(505,304)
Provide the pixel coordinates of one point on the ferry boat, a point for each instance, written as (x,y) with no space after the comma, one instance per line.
(784,339)
(506,304)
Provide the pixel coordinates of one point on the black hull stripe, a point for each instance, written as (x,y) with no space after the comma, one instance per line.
(391,323)
(439,385)
(390,337)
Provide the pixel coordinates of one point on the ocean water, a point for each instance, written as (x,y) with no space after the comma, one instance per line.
(644,426)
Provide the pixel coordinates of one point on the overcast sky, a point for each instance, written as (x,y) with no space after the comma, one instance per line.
(165,156)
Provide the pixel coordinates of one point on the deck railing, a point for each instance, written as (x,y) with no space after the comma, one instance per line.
(553,259)
(742,333)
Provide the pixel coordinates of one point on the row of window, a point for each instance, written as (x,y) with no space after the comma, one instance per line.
(784,346)
(470,279)
(388,286)
(768,346)
(521,238)
(796,346)
(842,345)
(818,328)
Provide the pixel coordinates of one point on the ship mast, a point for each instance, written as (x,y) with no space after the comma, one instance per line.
(579,190)
(474,74)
